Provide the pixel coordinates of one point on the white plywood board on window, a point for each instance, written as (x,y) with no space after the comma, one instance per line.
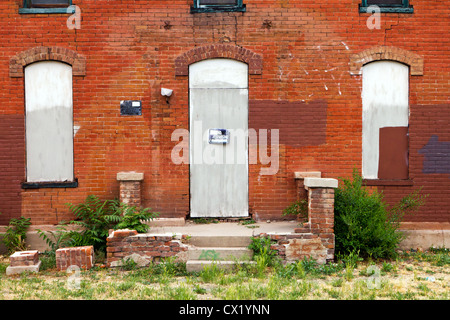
(385,104)
(49,122)
(218,73)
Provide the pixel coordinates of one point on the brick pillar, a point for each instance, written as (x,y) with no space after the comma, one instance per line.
(130,187)
(321,210)
(302,193)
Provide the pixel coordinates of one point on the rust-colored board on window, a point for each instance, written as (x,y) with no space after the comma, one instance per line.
(393,160)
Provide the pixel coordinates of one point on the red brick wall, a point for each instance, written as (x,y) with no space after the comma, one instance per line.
(12,166)
(124,243)
(300,124)
(306,49)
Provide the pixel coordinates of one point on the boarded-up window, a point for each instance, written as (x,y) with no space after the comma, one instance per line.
(385,2)
(385,120)
(47,3)
(217,2)
(217,6)
(393,6)
(49,122)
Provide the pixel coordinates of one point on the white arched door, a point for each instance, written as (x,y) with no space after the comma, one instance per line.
(218,99)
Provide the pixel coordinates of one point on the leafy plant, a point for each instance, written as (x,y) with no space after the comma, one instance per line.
(246,222)
(291,270)
(298,208)
(364,223)
(263,254)
(132,218)
(60,238)
(309,265)
(56,239)
(350,259)
(97,217)
(128,264)
(16,235)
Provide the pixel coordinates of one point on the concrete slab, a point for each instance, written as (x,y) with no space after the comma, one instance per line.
(230,241)
(321,183)
(20,269)
(130,176)
(425,239)
(167,222)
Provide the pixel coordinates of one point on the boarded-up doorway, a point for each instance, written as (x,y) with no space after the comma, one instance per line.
(218,98)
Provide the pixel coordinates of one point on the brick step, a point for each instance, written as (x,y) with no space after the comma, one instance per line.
(200,265)
(302,230)
(220,253)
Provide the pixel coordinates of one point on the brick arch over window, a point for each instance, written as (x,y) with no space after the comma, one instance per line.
(413,60)
(24,58)
(183,61)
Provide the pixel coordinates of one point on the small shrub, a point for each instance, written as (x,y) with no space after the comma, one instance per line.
(291,270)
(298,209)
(128,264)
(132,217)
(48,260)
(56,239)
(350,259)
(169,267)
(364,223)
(211,273)
(199,290)
(96,217)
(309,265)
(16,235)
(387,267)
(263,254)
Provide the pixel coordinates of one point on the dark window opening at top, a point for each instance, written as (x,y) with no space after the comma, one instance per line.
(217,6)
(394,6)
(47,3)
(384,2)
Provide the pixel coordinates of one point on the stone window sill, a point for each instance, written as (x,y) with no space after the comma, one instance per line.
(67,10)
(409,9)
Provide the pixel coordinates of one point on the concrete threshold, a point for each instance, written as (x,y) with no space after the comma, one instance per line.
(234,229)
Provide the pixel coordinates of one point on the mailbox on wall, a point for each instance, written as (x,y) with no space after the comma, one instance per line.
(219,136)
(130,108)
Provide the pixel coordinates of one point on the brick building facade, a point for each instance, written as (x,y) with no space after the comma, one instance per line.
(306,62)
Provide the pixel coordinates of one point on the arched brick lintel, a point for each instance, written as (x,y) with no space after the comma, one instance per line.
(183,61)
(413,60)
(24,58)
